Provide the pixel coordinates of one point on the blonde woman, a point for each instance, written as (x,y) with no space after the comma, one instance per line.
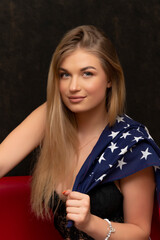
(95,168)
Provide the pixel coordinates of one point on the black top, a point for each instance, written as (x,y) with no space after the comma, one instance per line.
(106,202)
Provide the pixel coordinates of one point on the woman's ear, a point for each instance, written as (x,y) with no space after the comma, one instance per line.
(109,84)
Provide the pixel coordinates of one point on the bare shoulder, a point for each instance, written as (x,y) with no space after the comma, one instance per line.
(39,112)
(33,125)
(138,191)
(36,119)
(140,179)
(42,108)
(23,139)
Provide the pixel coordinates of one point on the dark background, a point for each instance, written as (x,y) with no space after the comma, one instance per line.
(30,31)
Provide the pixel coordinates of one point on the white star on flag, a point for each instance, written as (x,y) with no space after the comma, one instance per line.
(123,150)
(121,163)
(128,125)
(149,136)
(120,119)
(145,154)
(155,168)
(101,158)
(124,135)
(113,146)
(100,178)
(131,149)
(113,134)
(138,129)
(137,139)
(91,174)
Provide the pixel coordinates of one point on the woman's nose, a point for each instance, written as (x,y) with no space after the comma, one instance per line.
(74,84)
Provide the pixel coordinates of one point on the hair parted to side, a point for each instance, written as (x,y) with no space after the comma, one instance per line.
(60,141)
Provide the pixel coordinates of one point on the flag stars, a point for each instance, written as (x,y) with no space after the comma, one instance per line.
(101,158)
(101,178)
(127,126)
(137,139)
(113,134)
(113,147)
(156,168)
(124,135)
(92,173)
(131,149)
(121,163)
(145,154)
(123,150)
(138,129)
(149,136)
(120,119)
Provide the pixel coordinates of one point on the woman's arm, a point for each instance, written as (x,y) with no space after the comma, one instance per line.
(22,140)
(138,191)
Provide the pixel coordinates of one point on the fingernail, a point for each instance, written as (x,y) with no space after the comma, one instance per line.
(64,192)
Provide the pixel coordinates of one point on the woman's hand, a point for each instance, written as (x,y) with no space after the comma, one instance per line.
(78,208)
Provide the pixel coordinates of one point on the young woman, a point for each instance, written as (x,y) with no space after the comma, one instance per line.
(95,168)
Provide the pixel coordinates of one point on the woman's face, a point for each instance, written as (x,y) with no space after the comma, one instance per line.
(83,82)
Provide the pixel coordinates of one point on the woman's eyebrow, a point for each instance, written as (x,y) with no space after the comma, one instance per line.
(82,69)
(62,69)
(88,67)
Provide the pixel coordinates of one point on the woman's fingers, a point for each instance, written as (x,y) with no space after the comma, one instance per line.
(77,207)
(75,210)
(75,195)
(73,203)
(66,192)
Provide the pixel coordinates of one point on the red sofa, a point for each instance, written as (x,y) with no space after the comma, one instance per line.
(17,222)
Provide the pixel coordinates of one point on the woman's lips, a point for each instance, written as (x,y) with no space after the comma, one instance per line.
(76,99)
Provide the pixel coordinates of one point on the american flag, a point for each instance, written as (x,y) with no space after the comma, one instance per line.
(121,150)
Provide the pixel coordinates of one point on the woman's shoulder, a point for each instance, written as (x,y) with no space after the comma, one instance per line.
(124,124)
(23,139)
(41,109)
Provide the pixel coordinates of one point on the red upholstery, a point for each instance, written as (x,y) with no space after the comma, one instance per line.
(18,223)
(16,220)
(155,230)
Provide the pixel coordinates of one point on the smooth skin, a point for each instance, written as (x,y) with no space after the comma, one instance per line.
(22,140)
(83,85)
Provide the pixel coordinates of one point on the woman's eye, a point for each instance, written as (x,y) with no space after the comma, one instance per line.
(87,74)
(64,75)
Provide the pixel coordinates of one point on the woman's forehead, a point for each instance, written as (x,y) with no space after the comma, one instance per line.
(80,57)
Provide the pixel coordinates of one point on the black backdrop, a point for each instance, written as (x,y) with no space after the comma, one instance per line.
(30,31)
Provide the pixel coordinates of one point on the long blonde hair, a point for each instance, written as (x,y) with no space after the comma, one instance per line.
(60,140)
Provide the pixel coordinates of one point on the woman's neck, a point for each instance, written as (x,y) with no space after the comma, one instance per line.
(90,124)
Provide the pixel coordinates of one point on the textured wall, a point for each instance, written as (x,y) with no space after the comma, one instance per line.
(30,31)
